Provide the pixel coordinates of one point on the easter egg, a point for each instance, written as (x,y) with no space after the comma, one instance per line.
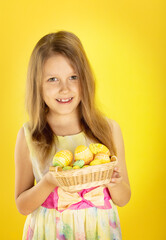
(76,167)
(95,162)
(79,163)
(67,168)
(82,152)
(85,166)
(98,147)
(103,157)
(62,158)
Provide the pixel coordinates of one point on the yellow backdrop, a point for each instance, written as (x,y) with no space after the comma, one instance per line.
(124,42)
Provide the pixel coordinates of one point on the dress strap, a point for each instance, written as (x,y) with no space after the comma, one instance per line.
(27,136)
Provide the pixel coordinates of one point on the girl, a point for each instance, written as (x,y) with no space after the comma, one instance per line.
(60,102)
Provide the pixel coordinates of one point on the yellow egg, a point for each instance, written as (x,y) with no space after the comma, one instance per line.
(85,166)
(98,147)
(103,157)
(76,167)
(62,158)
(84,153)
(95,162)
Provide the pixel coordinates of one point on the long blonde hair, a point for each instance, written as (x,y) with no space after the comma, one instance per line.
(93,121)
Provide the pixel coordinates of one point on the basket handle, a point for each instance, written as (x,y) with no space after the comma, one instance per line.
(114,158)
(58,168)
(115,161)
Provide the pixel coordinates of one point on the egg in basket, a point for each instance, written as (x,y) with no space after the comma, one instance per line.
(93,166)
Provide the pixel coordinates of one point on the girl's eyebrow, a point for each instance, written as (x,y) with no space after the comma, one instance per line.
(54,74)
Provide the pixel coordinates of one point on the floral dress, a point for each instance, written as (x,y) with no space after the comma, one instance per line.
(89,214)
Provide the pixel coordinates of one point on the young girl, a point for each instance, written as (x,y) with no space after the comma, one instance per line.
(60,100)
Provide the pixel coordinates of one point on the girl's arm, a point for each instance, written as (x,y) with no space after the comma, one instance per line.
(119,186)
(27,196)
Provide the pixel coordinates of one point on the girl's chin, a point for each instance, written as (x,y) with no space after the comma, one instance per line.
(61,112)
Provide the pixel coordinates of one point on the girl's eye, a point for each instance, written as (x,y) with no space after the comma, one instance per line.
(74,77)
(53,79)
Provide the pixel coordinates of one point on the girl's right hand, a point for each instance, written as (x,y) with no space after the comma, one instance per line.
(51,179)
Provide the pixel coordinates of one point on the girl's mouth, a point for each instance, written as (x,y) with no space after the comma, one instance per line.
(64,100)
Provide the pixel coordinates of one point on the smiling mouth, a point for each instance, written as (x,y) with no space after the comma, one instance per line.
(64,100)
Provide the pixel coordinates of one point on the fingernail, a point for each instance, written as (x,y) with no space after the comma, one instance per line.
(113,180)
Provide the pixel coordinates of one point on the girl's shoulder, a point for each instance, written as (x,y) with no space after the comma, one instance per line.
(23,136)
(113,124)
(117,133)
(21,143)
(25,126)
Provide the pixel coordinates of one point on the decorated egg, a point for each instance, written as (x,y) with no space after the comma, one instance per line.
(103,157)
(79,163)
(85,166)
(62,158)
(82,152)
(76,167)
(95,162)
(67,168)
(98,147)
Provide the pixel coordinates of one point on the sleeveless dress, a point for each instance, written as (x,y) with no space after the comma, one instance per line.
(89,214)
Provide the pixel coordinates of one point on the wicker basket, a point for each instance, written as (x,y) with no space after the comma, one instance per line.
(77,179)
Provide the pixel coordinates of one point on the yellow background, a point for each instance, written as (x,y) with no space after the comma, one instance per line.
(124,41)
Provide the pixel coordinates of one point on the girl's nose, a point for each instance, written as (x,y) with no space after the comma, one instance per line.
(64,87)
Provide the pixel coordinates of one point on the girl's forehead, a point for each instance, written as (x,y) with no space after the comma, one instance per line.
(58,64)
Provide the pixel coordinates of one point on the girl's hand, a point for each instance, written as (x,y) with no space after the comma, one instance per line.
(52,182)
(51,179)
(116,177)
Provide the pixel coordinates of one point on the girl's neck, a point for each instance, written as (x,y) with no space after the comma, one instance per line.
(63,125)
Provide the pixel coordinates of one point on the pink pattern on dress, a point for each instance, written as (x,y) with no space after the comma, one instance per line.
(29,234)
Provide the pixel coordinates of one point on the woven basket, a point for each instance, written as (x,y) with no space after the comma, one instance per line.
(77,179)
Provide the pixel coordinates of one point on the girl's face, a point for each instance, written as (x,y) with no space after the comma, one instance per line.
(61,86)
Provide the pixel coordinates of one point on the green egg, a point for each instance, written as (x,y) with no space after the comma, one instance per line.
(67,168)
(79,163)
(55,164)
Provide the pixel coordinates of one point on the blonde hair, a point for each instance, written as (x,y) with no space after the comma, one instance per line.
(93,121)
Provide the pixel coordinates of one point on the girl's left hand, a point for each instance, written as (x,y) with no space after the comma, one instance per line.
(116,177)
